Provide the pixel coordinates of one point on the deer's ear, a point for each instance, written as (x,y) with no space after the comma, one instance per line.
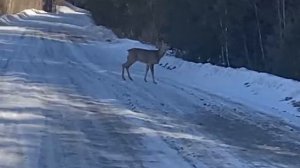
(157,44)
(165,45)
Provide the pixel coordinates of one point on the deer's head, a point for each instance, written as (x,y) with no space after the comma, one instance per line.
(163,47)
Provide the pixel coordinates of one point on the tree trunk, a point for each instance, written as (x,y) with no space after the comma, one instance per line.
(281,17)
(279,20)
(222,41)
(283,14)
(246,50)
(226,39)
(259,32)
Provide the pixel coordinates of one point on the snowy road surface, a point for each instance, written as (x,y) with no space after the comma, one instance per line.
(63,105)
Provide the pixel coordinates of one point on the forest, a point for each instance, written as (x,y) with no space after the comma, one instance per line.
(261,35)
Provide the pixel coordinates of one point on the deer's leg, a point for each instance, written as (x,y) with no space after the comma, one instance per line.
(127,69)
(123,67)
(147,69)
(152,72)
(130,60)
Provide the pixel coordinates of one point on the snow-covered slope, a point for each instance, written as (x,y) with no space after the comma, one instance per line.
(267,93)
(64,104)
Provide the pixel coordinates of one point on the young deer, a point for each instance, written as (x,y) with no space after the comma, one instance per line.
(149,57)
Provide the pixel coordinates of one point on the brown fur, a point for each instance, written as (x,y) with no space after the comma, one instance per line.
(148,57)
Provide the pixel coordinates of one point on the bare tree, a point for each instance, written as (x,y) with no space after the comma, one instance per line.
(261,45)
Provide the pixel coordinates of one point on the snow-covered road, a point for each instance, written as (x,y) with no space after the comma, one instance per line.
(63,105)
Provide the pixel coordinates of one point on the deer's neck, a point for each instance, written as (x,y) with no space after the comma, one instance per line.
(161,54)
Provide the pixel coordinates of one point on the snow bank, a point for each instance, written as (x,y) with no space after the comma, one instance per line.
(268,93)
(75,9)
(67,19)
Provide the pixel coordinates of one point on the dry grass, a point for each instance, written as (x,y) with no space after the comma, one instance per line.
(14,6)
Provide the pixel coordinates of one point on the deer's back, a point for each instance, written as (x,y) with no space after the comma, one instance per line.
(143,55)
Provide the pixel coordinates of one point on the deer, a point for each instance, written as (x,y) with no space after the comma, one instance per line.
(146,56)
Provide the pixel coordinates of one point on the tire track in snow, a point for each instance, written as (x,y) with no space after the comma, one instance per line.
(92,158)
(154,99)
(93,69)
(134,107)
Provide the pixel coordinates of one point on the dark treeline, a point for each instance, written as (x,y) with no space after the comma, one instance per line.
(262,35)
